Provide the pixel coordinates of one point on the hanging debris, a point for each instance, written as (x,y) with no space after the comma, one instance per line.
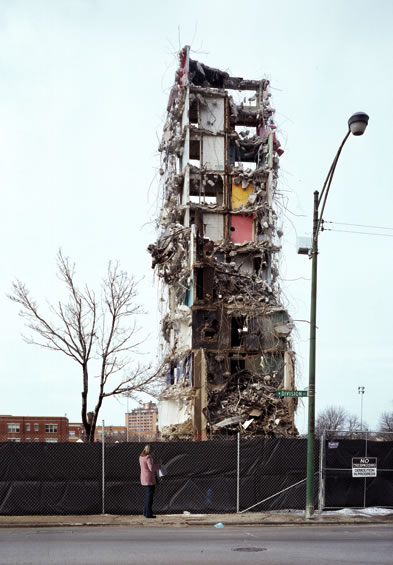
(225,328)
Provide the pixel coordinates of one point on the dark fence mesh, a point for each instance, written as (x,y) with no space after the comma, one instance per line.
(341,488)
(273,473)
(65,478)
(201,478)
(50,478)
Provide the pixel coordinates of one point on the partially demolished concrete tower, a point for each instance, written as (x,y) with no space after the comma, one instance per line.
(227,334)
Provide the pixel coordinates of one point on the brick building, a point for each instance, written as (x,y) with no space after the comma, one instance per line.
(76,432)
(112,433)
(142,423)
(49,429)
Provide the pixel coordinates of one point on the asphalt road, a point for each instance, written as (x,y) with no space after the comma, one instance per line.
(316,545)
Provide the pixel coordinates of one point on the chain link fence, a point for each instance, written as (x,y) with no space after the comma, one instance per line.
(356,469)
(222,476)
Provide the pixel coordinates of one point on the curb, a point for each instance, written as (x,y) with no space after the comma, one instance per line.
(190,523)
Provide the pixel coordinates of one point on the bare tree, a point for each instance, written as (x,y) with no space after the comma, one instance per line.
(90,330)
(385,423)
(353,426)
(332,418)
(337,419)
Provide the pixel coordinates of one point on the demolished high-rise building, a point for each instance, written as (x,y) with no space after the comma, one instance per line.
(226,331)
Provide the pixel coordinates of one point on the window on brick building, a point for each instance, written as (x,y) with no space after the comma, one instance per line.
(14,439)
(51,428)
(27,427)
(36,427)
(13,428)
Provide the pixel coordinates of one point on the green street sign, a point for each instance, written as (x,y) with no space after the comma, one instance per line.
(291,393)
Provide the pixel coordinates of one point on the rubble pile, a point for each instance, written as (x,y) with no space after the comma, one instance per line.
(233,286)
(247,403)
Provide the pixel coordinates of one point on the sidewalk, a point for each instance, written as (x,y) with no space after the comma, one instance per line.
(295,518)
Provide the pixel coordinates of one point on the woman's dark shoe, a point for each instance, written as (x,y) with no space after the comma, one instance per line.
(150,516)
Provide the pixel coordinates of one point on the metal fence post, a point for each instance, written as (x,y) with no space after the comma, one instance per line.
(238,474)
(103,466)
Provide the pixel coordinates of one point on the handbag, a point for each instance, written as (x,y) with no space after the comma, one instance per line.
(163,471)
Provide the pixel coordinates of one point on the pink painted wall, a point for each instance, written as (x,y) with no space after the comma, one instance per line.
(242,228)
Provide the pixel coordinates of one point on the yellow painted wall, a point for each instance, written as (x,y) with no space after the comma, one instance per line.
(240,195)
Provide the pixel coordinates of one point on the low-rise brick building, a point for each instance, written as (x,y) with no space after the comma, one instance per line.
(76,432)
(49,429)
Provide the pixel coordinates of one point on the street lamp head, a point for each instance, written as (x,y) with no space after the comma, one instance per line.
(357,123)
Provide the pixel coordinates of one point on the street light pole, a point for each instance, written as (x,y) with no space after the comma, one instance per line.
(361,390)
(357,124)
(312,354)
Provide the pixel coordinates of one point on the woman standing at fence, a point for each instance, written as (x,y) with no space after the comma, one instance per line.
(148,478)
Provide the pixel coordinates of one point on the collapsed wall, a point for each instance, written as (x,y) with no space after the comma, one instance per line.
(226,331)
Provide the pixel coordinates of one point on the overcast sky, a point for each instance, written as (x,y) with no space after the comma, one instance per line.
(83,92)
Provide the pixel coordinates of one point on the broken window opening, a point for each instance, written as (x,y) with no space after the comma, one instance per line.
(266,271)
(257,265)
(238,328)
(219,256)
(203,199)
(246,98)
(237,365)
(248,152)
(193,113)
(208,189)
(171,376)
(244,263)
(210,199)
(208,250)
(209,330)
(195,152)
(213,185)
(246,131)
(199,284)
(202,75)
(244,165)
(274,365)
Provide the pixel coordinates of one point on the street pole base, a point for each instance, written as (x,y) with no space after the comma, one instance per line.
(309,512)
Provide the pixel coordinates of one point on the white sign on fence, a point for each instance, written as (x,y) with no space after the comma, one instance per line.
(364,466)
